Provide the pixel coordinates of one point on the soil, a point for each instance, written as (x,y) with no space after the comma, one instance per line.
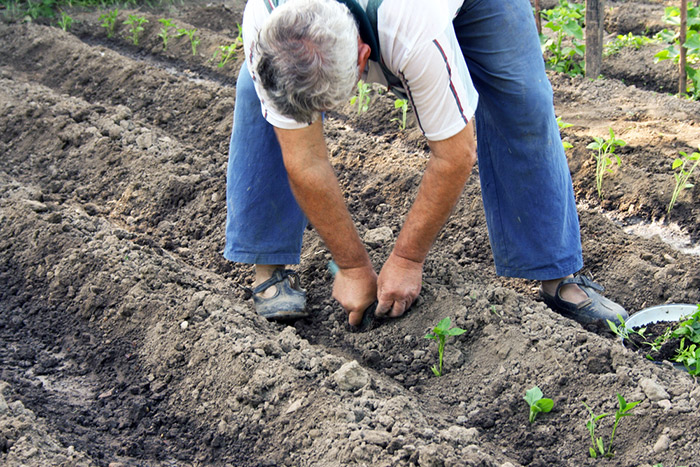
(124,335)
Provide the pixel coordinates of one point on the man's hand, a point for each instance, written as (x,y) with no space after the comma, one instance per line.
(398,286)
(355,289)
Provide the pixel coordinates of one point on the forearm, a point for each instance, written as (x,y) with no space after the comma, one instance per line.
(447,171)
(316,189)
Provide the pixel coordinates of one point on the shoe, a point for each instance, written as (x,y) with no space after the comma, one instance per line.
(288,303)
(595,310)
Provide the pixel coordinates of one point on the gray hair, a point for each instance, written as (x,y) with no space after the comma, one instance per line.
(306,57)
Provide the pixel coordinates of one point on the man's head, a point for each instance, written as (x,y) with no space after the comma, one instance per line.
(306,57)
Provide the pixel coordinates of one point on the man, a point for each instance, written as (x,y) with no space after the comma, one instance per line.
(304,57)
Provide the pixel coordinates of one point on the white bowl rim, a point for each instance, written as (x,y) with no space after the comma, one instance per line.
(660,313)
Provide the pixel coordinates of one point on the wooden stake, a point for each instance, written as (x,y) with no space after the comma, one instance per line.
(682,83)
(538,17)
(595,15)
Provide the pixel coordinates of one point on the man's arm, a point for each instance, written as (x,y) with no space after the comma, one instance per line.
(448,169)
(316,189)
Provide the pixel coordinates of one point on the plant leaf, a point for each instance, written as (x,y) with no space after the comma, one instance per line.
(533,395)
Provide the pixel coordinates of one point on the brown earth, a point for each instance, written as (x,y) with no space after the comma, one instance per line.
(125,340)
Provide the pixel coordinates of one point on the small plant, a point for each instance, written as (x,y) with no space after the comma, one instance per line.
(40,9)
(403,105)
(605,148)
(689,328)
(108,21)
(165,30)
(566,21)
(362,98)
(563,125)
(65,21)
(598,447)
(537,403)
(224,53)
(689,357)
(440,333)
(136,23)
(239,39)
(681,174)
(628,40)
(192,35)
(692,45)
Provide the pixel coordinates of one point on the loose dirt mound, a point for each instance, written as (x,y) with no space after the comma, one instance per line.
(125,340)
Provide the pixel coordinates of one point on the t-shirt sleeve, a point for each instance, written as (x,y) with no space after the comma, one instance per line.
(422,50)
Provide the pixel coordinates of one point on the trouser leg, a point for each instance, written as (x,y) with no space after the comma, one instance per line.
(264,224)
(525,180)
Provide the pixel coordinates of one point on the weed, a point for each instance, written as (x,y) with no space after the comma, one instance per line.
(598,447)
(165,30)
(440,333)
(681,175)
(537,403)
(136,23)
(192,35)
(65,21)
(403,105)
(108,21)
(362,97)
(565,20)
(224,53)
(605,148)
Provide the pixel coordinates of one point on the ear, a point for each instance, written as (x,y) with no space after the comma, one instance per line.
(363,51)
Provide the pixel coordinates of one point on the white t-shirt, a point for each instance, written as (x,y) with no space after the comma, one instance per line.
(418,45)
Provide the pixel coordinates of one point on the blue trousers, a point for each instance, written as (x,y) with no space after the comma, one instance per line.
(525,180)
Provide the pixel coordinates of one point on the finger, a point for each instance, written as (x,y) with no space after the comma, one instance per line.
(398,309)
(383,307)
(355,317)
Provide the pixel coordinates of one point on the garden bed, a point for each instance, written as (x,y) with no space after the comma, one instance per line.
(124,337)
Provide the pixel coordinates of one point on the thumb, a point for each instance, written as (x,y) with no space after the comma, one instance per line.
(355,317)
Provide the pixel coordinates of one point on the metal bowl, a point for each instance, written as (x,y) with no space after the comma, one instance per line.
(660,313)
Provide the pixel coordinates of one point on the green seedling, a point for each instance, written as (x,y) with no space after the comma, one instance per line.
(689,357)
(565,20)
(192,35)
(672,16)
(628,40)
(165,30)
(225,52)
(682,173)
(605,149)
(537,403)
(65,21)
(40,9)
(692,45)
(598,447)
(622,331)
(239,39)
(403,105)
(362,98)
(108,21)
(440,333)
(689,328)
(136,23)
(563,125)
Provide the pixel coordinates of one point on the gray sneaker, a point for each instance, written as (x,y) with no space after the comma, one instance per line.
(595,310)
(288,303)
